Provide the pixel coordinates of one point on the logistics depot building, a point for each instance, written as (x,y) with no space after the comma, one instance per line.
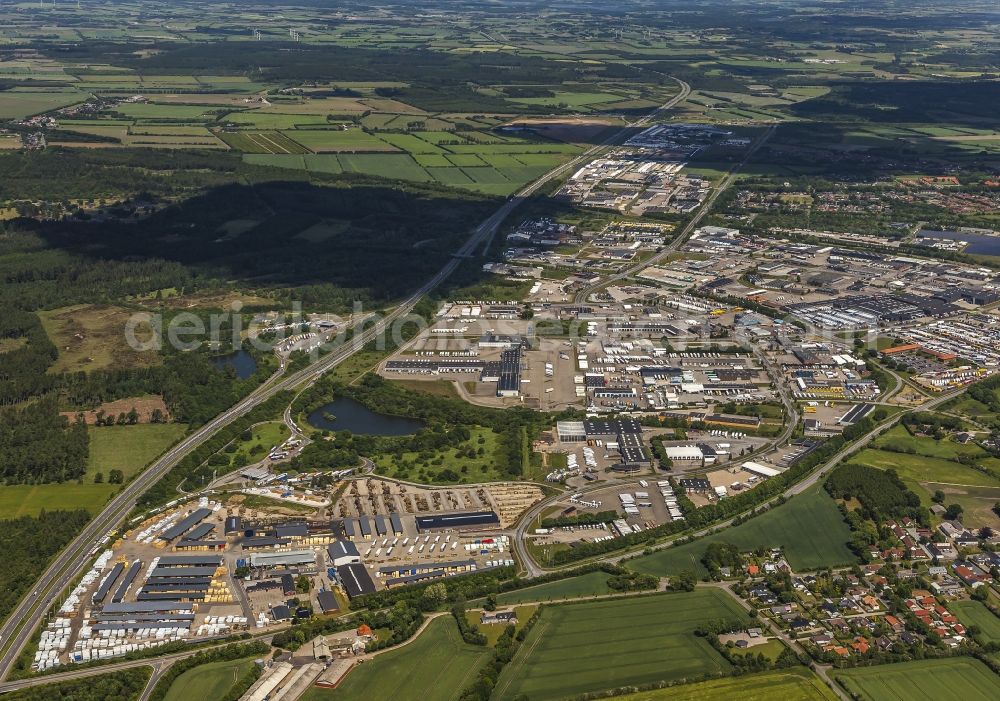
(624,435)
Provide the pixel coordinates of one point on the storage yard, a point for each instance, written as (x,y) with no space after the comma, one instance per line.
(198,570)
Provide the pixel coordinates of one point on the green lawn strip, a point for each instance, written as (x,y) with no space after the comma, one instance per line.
(128,448)
(797,684)
(898,439)
(125,448)
(590,584)
(925,469)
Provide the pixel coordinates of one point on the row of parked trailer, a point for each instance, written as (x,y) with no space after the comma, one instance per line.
(106,644)
(115,646)
(670,500)
(216,625)
(623,527)
(73,600)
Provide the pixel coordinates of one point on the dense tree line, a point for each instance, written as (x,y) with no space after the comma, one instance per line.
(720,554)
(38,444)
(28,543)
(633,581)
(985,392)
(23,368)
(402,620)
(470,632)
(881,493)
(125,685)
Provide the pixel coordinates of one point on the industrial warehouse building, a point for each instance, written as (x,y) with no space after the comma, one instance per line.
(327,601)
(683,453)
(288,558)
(185,524)
(355,580)
(458,521)
(356,528)
(343,552)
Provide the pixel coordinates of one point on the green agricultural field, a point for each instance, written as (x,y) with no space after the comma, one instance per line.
(516,149)
(451,176)
(399,166)
(796,684)
(441,137)
(974,613)
(808,526)
(272,120)
(927,680)
(590,584)
(29,500)
(18,103)
(337,140)
(271,142)
(128,448)
(208,681)
(465,160)
(432,160)
(411,144)
(435,666)
(575,100)
(590,646)
(151,111)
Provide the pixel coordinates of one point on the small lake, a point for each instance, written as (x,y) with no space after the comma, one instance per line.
(240,361)
(357,418)
(979,244)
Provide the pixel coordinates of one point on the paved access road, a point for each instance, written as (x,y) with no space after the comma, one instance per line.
(18,628)
(533,569)
(678,241)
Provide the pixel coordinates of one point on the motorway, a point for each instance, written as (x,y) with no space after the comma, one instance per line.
(590,154)
(17,630)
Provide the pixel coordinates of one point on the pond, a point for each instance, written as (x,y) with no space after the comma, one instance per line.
(349,415)
(242,363)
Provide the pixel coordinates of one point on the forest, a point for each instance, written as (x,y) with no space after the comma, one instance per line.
(37,444)
(119,686)
(27,544)
(881,493)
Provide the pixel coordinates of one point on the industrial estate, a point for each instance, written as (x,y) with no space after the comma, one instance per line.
(471,352)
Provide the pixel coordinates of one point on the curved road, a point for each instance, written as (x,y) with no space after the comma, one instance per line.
(61,572)
(534,569)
